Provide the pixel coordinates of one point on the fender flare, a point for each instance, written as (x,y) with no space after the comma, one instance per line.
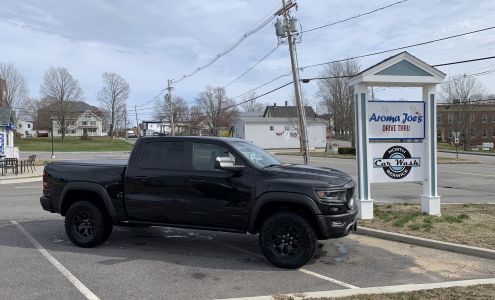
(90,187)
(271,197)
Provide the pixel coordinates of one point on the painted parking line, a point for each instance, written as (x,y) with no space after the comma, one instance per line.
(66,273)
(335,281)
(470,174)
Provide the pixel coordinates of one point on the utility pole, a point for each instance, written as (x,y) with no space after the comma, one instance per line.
(137,122)
(286,31)
(170,107)
(125,122)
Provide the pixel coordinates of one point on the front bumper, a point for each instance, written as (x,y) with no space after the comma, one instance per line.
(47,204)
(335,226)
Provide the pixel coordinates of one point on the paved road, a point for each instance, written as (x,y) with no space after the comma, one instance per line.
(458,183)
(166,263)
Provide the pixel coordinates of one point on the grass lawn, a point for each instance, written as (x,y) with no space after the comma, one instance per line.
(468,224)
(476,292)
(72,144)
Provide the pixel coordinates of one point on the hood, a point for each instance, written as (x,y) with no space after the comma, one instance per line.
(328,176)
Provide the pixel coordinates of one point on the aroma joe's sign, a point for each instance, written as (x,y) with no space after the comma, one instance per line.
(392,120)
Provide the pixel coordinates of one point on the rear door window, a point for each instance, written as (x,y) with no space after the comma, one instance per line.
(163,155)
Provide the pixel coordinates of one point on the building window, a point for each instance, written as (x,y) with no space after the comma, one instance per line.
(84,123)
(493,119)
(286,127)
(73,131)
(272,128)
(72,122)
(484,132)
(439,118)
(493,132)
(88,115)
(484,118)
(472,118)
(451,118)
(29,125)
(473,132)
(20,125)
(450,133)
(92,123)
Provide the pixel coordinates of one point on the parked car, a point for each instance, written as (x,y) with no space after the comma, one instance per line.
(207,183)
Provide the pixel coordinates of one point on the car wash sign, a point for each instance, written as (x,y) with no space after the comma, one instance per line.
(394,162)
(396,120)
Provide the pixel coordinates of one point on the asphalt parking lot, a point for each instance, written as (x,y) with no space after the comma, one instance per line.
(38,261)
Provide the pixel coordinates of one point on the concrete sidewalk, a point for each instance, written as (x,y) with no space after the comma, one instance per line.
(24,177)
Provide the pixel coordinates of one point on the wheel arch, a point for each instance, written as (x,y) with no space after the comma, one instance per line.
(87,191)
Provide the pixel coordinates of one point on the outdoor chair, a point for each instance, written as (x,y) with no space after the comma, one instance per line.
(11,163)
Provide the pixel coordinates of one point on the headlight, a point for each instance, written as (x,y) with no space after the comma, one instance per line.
(330,195)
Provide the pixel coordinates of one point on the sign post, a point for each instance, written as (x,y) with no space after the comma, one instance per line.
(396,140)
(456,135)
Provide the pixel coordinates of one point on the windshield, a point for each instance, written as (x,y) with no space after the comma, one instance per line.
(255,155)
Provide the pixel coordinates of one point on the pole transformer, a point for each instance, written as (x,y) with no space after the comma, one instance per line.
(170,106)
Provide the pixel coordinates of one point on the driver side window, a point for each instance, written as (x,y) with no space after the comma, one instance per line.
(204,156)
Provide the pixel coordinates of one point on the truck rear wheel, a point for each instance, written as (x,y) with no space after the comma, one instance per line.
(287,240)
(86,225)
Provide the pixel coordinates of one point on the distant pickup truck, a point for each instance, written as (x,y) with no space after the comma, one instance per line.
(206,183)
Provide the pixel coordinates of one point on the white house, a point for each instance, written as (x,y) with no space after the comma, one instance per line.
(147,128)
(279,133)
(25,129)
(83,124)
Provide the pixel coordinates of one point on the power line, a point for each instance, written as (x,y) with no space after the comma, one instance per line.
(252,67)
(250,32)
(464,61)
(398,48)
(254,98)
(354,17)
(260,86)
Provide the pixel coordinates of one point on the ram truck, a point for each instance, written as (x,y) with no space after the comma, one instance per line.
(206,183)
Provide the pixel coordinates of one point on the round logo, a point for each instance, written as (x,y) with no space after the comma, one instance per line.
(397,170)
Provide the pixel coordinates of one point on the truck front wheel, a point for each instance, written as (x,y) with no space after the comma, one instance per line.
(86,225)
(287,240)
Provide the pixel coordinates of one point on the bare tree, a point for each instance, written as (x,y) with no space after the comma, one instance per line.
(463,92)
(251,104)
(337,97)
(179,110)
(194,120)
(16,94)
(60,89)
(219,110)
(113,101)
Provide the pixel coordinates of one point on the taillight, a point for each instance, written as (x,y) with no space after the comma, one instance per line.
(45,180)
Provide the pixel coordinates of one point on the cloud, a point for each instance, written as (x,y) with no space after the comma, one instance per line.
(150,42)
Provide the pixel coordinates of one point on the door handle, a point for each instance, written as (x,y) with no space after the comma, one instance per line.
(143,178)
(196,180)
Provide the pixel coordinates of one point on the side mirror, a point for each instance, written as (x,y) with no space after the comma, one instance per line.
(227,164)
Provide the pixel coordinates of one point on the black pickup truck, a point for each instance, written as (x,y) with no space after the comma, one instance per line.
(206,183)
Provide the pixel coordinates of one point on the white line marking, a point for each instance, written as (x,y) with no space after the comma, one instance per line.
(335,281)
(76,282)
(28,187)
(474,174)
(338,282)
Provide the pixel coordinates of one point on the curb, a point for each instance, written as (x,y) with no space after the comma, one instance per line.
(379,290)
(398,237)
(21,180)
(467,152)
(454,162)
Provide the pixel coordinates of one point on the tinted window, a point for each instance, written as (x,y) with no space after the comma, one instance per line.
(163,155)
(204,156)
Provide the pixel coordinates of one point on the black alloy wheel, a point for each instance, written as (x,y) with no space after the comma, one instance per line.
(87,225)
(287,240)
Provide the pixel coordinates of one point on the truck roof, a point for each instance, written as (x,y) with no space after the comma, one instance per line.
(195,138)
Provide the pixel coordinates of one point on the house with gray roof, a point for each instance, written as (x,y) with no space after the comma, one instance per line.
(278,128)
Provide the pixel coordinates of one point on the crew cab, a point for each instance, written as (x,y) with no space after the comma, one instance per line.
(208,183)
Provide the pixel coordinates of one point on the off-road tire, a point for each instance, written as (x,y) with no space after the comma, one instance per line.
(87,225)
(275,240)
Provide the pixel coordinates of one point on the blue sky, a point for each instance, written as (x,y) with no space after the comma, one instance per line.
(148,42)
